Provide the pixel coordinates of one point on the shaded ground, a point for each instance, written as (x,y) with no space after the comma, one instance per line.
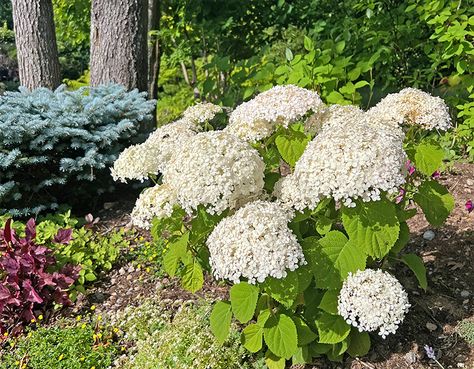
(432,318)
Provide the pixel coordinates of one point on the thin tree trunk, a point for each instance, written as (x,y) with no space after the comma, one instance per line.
(119,43)
(35,39)
(154,49)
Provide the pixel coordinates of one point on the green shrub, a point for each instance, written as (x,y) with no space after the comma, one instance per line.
(77,346)
(309,265)
(56,146)
(181,341)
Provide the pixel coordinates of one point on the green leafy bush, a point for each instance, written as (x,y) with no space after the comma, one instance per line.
(51,141)
(303,208)
(180,341)
(66,346)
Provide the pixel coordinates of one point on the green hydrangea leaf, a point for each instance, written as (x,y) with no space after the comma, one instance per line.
(220,320)
(435,201)
(280,335)
(251,337)
(243,298)
(332,328)
(428,158)
(192,278)
(415,263)
(373,226)
(360,343)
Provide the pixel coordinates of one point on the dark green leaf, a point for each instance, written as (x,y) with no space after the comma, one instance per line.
(415,263)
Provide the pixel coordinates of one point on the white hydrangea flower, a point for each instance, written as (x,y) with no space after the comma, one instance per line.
(254,243)
(152,156)
(217,170)
(373,300)
(349,159)
(333,113)
(281,105)
(201,112)
(135,162)
(413,106)
(156,201)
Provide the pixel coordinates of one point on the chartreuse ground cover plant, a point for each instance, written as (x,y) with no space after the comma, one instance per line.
(161,338)
(301,207)
(84,343)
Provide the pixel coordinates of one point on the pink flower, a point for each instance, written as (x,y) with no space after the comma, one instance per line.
(400,196)
(410,167)
(436,175)
(469,206)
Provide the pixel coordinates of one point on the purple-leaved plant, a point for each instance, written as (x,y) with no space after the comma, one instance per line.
(28,279)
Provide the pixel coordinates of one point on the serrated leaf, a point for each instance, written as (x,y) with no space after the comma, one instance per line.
(176,251)
(332,258)
(415,263)
(323,225)
(243,298)
(435,201)
(329,302)
(428,158)
(301,356)
(305,334)
(403,238)
(252,337)
(273,361)
(291,147)
(305,277)
(280,335)
(192,278)
(284,290)
(332,328)
(360,343)
(373,226)
(220,319)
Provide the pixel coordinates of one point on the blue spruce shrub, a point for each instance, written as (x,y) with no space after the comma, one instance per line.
(57,146)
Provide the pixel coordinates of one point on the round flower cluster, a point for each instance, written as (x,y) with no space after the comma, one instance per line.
(201,112)
(254,243)
(157,201)
(281,105)
(217,170)
(333,113)
(350,158)
(413,106)
(135,162)
(373,300)
(152,156)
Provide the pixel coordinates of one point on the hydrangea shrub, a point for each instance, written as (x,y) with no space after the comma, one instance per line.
(302,208)
(54,143)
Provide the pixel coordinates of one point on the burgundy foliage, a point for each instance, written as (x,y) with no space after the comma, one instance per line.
(28,279)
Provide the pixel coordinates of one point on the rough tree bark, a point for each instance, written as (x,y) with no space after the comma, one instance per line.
(35,39)
(154,49)
(119,43)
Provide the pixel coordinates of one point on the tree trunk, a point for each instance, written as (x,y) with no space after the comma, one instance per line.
(154,50)
(35,39)
(119,43)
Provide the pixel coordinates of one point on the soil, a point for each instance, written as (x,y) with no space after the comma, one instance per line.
(433,316)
